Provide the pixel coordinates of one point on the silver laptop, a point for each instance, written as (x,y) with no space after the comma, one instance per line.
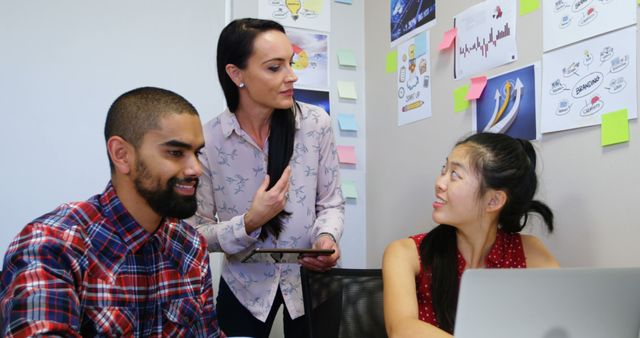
(549,303)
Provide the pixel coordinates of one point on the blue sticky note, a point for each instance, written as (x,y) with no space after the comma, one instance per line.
(421,44)
(344,1)
(347,122)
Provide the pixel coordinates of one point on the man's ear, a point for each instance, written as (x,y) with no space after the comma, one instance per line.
(121,154)
(234,73)
(497,200)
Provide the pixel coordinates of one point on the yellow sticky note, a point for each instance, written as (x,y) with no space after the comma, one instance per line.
(392,61)
(349,190)
(528,6)
(615,127)
(346,58)
(459,101)
(347,90)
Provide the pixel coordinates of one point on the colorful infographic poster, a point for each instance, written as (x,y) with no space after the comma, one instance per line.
(414,87)
(582,81)
(315,97)
(508,104)
(410,16)
(569,21)
(310,52)
(486,37)
(308,14)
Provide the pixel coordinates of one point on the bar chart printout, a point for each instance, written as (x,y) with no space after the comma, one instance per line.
(486,37)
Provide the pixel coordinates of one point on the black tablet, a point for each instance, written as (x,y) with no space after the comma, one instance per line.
(284,255)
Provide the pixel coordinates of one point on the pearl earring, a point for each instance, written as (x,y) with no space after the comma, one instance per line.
(241,85)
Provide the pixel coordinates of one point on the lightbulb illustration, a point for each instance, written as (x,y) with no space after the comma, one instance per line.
(294,6)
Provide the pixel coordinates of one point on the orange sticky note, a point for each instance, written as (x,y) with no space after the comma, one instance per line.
(447,40)
(477,86)
(347,154)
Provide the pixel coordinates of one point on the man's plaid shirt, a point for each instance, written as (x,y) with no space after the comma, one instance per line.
(89,269)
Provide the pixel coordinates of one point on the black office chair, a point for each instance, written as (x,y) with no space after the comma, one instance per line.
(343,303)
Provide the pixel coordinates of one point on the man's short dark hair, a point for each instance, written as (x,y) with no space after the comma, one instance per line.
(138,111)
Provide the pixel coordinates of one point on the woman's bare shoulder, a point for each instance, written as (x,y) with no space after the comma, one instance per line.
(537,254)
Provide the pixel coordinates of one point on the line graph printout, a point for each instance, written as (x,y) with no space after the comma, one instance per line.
(568,21)
(486,37)
(582,81)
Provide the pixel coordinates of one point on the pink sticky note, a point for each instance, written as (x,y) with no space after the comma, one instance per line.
(347,154)
(477,86)
(448,38)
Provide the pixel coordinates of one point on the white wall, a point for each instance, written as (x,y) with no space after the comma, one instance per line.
(63,62)
(592,190)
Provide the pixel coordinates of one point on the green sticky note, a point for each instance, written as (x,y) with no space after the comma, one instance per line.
(349,190)
(347,90)
(528,6)
(392,61)
(615,127)
(459,101)
(346,58)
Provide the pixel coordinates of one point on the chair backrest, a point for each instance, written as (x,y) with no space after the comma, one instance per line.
(343,303)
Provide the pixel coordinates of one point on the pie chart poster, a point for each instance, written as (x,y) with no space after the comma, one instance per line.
(310,61)
(524,126)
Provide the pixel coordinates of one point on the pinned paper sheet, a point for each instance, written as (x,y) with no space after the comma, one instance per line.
(392,61)
(346,58)
(347,154)
(449,36)
(528,6)
(347,90)
(459,101)
(347,122)
(615,127)
(349,190)
(420,43)
(477,86)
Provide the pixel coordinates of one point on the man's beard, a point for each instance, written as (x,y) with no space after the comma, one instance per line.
(165,202)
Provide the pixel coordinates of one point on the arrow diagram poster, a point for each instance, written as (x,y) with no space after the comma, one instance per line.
(414,87)
(508,104)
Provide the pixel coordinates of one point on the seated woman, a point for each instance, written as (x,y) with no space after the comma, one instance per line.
(482,199)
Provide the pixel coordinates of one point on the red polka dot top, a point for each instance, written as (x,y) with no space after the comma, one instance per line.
(507,252)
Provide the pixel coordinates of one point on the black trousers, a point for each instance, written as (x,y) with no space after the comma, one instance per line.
(235,320)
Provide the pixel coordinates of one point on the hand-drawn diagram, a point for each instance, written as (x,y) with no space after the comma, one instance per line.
(568,21)
(508,104)
(309,14)
(414,91)
(585,80)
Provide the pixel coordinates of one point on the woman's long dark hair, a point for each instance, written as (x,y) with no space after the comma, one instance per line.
(235,46)
(502,163)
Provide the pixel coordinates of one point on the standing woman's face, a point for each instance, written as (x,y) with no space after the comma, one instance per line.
(268,77)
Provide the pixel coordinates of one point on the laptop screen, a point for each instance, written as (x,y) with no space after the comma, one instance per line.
(549,303)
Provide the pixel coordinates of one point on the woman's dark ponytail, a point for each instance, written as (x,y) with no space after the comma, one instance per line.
(281,139)
(439,256)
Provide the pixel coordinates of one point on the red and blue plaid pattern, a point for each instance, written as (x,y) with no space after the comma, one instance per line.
(89,269)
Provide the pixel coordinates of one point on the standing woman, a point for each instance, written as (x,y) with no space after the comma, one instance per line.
(483,197)
(271,180)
